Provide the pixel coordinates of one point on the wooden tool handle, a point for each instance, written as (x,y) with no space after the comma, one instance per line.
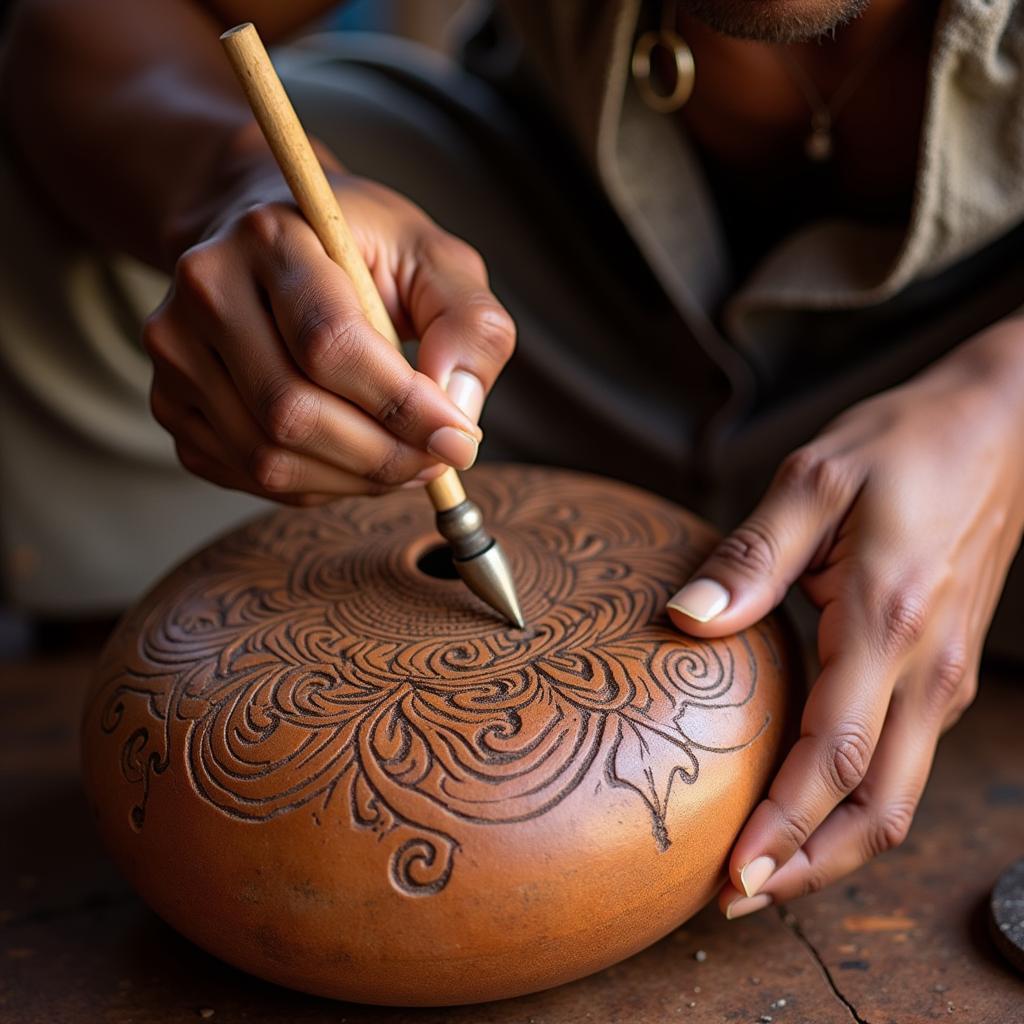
(316,199)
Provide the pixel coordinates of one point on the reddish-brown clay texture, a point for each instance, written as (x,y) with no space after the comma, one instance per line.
(346,776)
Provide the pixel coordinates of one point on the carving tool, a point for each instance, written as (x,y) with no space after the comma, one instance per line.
(476,554)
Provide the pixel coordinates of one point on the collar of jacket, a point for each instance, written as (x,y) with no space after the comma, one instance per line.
(969,188)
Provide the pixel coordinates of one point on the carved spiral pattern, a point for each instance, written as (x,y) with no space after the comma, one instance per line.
(304,662)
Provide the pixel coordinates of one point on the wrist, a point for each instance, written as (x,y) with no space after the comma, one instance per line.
(996,357)
(990,365)
(240,172)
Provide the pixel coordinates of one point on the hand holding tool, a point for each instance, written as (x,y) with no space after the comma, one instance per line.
(476,554)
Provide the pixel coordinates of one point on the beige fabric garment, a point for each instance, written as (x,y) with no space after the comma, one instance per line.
(969,190)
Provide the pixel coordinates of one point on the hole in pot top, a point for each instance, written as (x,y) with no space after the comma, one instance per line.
(437,562)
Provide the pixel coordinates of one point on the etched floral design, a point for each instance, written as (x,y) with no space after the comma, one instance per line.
(304,663)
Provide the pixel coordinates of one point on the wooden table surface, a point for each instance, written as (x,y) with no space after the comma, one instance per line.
(904,940)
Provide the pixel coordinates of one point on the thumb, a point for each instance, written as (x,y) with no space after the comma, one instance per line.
(466,335)
(749,571)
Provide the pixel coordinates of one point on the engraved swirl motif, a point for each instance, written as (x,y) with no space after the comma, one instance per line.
(304,662)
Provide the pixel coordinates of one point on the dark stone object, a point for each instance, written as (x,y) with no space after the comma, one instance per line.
(1006,909)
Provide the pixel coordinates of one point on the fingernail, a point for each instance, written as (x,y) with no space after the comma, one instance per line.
(466,391)
(754,874)
(743,905)
(701,600)
(453,446)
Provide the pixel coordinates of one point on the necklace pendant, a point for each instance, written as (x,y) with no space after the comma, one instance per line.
(818,145)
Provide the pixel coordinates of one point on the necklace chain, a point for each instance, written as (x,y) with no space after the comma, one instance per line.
(819,143)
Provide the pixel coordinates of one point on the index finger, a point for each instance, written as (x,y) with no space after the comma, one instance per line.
(466,335)
(320,318)
(841,724)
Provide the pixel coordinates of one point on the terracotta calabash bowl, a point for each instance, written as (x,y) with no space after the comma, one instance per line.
(333,769)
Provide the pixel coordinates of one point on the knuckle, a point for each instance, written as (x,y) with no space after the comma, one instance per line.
(326,343)
(398,412)
(449,249)
(751,548)
(272,469)
(814,880)
(848,754)
(158,340)
(891,827)
(262,224)
(904,618)
(388,472)
(163,410)
(948,678)
(807,470)
(795,825)
(963,699)
(797,467)
(291,415)
(968,691)
(192,459)
(195,277)
(492,328)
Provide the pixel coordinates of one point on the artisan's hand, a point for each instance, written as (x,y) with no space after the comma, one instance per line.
(901,520)
(270,378)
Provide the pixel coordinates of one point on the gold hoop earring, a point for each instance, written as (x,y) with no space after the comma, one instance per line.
(668,39)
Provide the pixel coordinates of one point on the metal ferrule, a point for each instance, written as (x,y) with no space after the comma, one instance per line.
(463,528)
(479,560)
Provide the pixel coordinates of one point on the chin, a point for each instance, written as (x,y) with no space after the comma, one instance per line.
(775,21)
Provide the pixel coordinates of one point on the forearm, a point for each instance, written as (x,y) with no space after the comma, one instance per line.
(129,117)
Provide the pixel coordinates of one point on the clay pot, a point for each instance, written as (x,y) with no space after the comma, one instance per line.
(339,772)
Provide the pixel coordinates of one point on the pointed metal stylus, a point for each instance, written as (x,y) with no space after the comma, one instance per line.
(476,554)
(479,559)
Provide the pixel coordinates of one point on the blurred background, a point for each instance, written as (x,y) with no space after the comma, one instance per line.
(436,23)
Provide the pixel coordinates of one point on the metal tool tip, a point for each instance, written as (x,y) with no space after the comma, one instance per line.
(489,577)
(479,560)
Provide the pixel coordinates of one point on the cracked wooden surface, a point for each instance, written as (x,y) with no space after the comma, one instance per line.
(901,942)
